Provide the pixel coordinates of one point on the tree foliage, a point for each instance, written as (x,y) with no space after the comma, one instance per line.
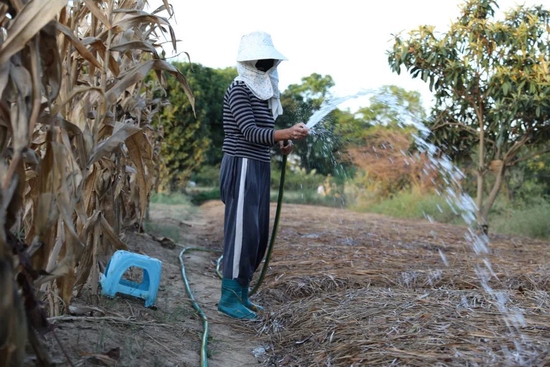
(392,107)
(190,140)
(314,88)
(385,168)
(321,151)
(379,143)
(491,82)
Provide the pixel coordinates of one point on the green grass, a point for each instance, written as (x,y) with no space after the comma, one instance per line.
(531,221)
(170,199)
(177,206)
(200,196)
(408,205)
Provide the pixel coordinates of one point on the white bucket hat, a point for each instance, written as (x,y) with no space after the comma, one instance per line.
(258,46)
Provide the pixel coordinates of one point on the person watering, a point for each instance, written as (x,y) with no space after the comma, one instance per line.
(250,106)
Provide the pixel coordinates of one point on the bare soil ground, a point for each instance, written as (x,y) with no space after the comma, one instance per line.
(343,289)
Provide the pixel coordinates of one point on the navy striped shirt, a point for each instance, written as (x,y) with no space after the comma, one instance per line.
(248,124)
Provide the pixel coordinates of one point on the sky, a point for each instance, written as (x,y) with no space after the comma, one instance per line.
(346,39)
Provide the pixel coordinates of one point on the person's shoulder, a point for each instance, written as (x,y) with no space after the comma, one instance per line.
(238,86)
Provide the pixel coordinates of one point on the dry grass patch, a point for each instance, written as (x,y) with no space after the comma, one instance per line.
(349,289)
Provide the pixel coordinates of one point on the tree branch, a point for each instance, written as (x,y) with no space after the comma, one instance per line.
(464,127)
(516,147)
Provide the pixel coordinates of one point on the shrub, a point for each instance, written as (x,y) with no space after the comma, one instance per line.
(200,197)
(414,205)
(296,178)
(207,176)
(532,220)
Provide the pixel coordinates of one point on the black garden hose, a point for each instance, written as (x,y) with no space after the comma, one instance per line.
(275,227)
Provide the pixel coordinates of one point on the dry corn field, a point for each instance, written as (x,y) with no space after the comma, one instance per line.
(79,154)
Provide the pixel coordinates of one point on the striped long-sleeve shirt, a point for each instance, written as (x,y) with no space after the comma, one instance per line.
(248,124)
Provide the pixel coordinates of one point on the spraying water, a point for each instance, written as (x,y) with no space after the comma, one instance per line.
(460,203)
(331,104)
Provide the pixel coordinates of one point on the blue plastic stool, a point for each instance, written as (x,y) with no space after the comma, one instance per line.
(113,283)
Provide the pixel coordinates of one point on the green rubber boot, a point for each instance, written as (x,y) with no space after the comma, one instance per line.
(231,303)
(246,301)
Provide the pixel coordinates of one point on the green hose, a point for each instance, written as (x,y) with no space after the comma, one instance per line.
(204,342)
(273,233)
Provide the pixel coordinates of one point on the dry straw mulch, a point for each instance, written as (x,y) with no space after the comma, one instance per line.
(353,289)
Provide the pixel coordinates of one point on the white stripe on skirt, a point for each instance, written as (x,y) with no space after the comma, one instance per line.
(239,225)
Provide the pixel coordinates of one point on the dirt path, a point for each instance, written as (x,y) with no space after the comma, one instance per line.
(231,341)
(122,332)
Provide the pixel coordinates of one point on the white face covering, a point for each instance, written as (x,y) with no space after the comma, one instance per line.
(263,84)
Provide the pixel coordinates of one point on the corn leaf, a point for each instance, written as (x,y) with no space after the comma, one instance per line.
(109,145)
(134,151)
(27,23)
(81,48)
(98,13)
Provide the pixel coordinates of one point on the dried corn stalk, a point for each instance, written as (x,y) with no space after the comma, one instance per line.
(78,156)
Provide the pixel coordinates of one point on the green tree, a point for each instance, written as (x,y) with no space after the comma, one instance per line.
(492,87)
(529,181)
(391,107)
(321,151)
(212,84)
(190,140)
(314,88)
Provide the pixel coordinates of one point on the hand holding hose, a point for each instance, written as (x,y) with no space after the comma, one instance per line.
(298,132)
(285,136)
(286,147)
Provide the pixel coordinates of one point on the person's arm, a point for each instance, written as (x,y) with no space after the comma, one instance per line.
(241,108)
(239,103)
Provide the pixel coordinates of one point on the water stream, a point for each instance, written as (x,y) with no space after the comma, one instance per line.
(331,104)
(460,203)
